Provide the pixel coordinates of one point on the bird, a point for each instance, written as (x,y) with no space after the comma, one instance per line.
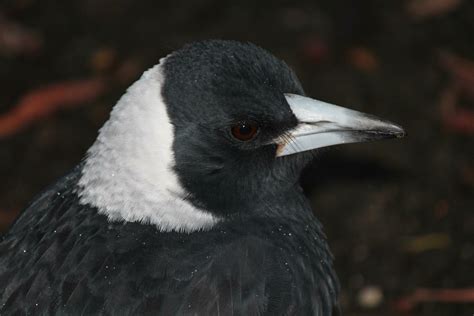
(189,202)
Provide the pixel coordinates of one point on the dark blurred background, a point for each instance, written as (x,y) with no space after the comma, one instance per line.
(398,214)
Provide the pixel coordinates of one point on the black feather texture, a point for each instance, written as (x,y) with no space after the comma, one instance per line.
(267,255)
(209,86)
(64,258)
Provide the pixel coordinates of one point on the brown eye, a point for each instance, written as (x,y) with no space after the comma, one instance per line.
(244,131)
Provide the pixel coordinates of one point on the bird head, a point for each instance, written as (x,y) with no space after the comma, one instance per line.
(219,127)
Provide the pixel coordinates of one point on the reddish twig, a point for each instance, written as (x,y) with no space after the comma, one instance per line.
(363,59)
(42,102)
(462,71)
(427,8)
(454,118)
(424,295)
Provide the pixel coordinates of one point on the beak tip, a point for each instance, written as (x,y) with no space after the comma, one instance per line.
(322,124)
(398,131)
(401,135)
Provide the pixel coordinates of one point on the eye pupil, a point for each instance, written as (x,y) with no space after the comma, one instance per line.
(244,131)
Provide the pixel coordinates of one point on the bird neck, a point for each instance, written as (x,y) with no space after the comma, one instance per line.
(128,172)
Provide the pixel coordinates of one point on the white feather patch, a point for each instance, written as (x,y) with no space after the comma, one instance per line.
(128,173)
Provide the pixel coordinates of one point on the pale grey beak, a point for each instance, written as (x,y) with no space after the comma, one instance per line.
(322,124)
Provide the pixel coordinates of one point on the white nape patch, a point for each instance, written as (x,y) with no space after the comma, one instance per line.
(128,172)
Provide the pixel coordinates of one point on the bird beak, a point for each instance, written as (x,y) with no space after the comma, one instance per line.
(322,124)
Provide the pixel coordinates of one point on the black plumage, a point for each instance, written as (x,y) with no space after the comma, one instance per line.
(62,257)
(228,82)
(266,256)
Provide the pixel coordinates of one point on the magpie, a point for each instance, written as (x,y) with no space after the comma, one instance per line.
(188,202)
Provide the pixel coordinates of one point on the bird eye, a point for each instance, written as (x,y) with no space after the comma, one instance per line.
(244,131)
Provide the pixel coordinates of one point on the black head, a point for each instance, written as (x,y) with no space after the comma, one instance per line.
(226,101)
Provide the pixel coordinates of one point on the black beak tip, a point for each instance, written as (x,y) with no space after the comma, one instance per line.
(398,131)
(390,130)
